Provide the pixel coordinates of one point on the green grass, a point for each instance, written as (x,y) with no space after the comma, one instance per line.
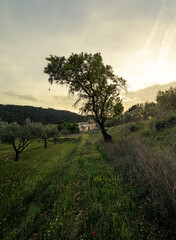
(69,191)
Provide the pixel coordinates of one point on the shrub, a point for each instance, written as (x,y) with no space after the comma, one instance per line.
(134,128)
(114,121)
(68,128)
(160,124)
(168,122)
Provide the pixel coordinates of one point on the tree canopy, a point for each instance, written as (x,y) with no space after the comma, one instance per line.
(167,99)
(96,85)
(16,135)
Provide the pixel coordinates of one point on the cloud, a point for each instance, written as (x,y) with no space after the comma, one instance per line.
(156,25)
(143,95)
(25,97)
(131,36)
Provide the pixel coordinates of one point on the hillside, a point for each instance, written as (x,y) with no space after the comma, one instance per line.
(143,153)
(12,113)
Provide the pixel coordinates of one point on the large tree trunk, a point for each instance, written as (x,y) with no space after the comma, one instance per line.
(106,136)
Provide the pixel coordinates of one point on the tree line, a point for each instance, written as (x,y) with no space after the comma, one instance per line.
(165,104)
(19,114)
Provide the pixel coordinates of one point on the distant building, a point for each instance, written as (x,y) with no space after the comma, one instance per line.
(87,126)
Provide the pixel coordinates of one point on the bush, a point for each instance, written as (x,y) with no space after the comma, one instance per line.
(172,119)
(160,124)
(168,122)
(114,121)
(134,128)
(68,128)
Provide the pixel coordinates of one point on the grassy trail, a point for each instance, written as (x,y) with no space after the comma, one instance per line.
(69,191)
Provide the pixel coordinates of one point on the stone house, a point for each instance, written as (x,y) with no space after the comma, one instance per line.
(87,126)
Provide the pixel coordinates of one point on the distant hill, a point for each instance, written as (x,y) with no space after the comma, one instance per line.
(12,113)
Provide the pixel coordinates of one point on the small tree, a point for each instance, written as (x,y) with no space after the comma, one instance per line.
(150,110)
(95,83)
(16,135)
(45,132)
(68,128)
(118,109)
(134,113)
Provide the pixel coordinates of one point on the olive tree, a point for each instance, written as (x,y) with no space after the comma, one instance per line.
(16,135)
(96,85)
(45,132)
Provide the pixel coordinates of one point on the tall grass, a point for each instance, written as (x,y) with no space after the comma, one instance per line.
(153,172)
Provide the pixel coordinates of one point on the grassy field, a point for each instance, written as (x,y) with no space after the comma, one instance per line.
(69,191)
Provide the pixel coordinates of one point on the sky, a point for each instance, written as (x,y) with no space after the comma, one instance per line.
(136,37)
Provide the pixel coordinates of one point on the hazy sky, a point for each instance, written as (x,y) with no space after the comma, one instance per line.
(136,37)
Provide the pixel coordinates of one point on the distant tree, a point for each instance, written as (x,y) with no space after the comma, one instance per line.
(136,108)
(45,132)
(16,135)
(150,110)
(134,113)
(118,109)
(68,128)
(167,99)
(95,83)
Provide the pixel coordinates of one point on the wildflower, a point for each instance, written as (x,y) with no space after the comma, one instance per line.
(117,223)
(102,171)
(142,208)
(63,186)
(93,233)
(97,178)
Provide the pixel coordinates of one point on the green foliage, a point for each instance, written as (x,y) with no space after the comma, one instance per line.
(168,122)
(134,127)
(45,132)
(16,135)
(118,109)
(140,112)
(15,113)
(135,113)
(68,128)
(114,121)
(150,110)
(96,85)
(167,99)
(20,136)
